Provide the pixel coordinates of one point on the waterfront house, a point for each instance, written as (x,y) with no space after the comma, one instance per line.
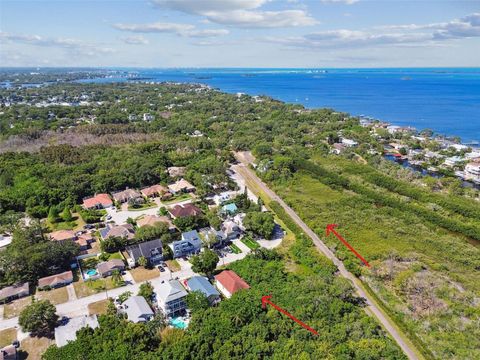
(137,309)
(189,244)
(150,250)
(14,292)
(55,281)
(200,283)
(228,283)
(171,298)
(181,185)
(99,201)
(179,211)
(106,268)
(124,231)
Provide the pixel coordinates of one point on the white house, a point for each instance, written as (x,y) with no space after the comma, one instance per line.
(349,142)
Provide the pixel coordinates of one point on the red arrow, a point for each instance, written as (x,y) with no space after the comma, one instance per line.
(266,300)
(331,228)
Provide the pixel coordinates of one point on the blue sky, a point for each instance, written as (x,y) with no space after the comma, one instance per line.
(240,33)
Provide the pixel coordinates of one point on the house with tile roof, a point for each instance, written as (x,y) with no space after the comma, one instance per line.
(62,235)
(99,201)
(156,190)
(124,231)
(127,195)
(14,292)
(181,185)
(55,281)
(228,283)
(106,268)
(179,211)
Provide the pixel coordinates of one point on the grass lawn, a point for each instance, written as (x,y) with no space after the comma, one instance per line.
(7,336)
(175,199)
(140,274)
(56,296)
(252,244)
(98,307)
(14,308)
(90,287)
(173,265)
(116,255)
(147,205)
(34,347)
(235,249)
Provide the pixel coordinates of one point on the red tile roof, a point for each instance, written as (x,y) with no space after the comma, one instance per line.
(99,199)
(154,190)
(231,281)
(61,235)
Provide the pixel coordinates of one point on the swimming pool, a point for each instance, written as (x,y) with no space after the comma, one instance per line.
(90,273)
(179,323)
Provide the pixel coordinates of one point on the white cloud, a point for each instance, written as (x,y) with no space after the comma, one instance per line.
(134,40)
(239,13)
(74,46)
(186,30)
(347,2)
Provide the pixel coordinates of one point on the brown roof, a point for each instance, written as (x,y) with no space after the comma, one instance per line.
(185,210)
(181,185)
(126,195)
(14,290)
(56,279)
(125,230)
(231,281)
(154,190)
(151,220)
(85,239)
(98,200)
(109,265)
(62,235)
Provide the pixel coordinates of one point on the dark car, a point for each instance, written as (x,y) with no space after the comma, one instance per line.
(161,268)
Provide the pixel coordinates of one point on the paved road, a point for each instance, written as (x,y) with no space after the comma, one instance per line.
(243,170)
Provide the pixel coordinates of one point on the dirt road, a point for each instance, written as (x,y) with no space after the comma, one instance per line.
(249,176)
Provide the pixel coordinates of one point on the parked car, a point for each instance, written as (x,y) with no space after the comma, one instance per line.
(161,268)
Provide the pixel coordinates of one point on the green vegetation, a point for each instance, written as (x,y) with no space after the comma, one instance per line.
(205,262)
(252,244)
(235,249)
(39,318)
(240,328)
(259,223)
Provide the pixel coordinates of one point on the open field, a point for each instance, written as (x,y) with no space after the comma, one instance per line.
(98,307)
(32,348)
(14,308)
(7,336)
(423,274)
(140,274)
(55,296)
(90,287)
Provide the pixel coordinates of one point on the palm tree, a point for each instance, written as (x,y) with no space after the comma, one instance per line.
(142,261)
(116,276)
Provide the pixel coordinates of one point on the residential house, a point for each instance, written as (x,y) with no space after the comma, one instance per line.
(152,220)
(472,171)
(84,240)
(56,280)
(137,309)
(189,244)
(229,209)
(176,171)
(99,201)
(124,231)
(68,332)
(181,185)
(171,298)
(127,195)
(219,199)
(338,148)
(179,211)
(200,283)
(454,161)
(228,283)
(106,268)
(9,352)
(62,235)
(14,292)
(230,230)
(150,250)
(349,142)
(156,190)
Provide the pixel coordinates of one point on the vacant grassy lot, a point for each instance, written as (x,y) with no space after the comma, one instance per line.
(90,287)
(32,348)
(426,275)
(140,274)
(98,307)
(7,336)
(55,296)
(14,308)
(173,265)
